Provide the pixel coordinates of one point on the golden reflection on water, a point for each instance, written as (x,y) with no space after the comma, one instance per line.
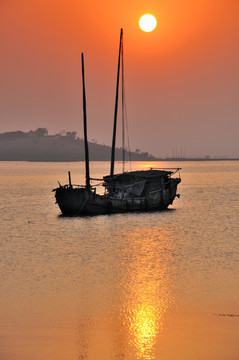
(144,329)
(147,294)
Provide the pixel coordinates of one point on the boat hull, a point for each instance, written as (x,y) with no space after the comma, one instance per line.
(71,201)
(80,201)
(83,201)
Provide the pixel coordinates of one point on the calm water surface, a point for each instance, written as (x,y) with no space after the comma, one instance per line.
(150,286)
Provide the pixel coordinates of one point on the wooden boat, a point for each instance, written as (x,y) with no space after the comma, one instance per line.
(142,190)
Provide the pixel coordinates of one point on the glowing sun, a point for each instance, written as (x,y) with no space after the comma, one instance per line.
(147,22)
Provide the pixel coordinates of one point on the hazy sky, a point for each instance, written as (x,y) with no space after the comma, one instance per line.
(182,79)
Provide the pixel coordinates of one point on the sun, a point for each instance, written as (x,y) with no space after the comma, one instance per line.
(147,22)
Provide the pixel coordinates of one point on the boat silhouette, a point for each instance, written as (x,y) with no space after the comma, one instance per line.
(141,190)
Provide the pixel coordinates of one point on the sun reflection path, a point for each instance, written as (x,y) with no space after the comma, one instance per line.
(145,329)
(147,295)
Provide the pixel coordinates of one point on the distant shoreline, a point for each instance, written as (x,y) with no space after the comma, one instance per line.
(154,160)
(38,146)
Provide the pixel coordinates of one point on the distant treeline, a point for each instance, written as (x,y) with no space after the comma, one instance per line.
(39,146)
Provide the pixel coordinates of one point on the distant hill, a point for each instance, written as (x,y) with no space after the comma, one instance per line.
(39,146)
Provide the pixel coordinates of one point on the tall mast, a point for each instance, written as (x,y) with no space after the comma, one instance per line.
(123,108)
(116,108)
(87,171)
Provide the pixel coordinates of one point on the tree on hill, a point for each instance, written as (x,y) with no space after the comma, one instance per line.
(41,132)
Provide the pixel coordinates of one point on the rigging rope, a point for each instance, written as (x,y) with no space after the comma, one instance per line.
(124,116)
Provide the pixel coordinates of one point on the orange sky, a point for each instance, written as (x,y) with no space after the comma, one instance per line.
(181,80)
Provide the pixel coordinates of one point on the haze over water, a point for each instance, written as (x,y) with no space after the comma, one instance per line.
(150,286)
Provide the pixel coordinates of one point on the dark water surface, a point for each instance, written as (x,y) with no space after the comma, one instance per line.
(153,286)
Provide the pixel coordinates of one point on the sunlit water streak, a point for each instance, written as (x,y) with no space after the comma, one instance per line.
(127,286)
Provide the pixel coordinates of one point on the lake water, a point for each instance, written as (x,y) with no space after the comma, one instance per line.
(150,286)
